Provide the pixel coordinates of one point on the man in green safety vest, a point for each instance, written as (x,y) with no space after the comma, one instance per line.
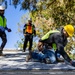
(59,40)
(3,27)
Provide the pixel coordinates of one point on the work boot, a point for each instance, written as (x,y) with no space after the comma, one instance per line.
(1,54)
(28,57)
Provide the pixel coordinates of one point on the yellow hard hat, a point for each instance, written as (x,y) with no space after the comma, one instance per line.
(69,29)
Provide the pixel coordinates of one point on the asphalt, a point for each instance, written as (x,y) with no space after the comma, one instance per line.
(15,60)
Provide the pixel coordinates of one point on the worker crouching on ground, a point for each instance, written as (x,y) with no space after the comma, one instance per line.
(60,39)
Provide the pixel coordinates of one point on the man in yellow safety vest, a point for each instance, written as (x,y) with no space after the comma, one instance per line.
(3,27)
(58,38)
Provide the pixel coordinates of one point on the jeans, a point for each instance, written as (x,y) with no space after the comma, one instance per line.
(45,54)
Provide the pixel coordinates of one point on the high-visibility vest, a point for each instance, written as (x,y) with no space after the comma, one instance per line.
(2,22)
(29,29)
(46,36)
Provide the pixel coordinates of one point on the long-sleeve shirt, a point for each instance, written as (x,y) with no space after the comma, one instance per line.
(60,40)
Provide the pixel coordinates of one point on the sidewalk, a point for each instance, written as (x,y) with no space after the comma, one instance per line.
(15,60)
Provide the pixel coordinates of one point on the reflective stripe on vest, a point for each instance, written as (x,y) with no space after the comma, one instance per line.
(2,22)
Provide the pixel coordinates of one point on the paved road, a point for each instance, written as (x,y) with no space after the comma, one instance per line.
(46,72)
(14,64)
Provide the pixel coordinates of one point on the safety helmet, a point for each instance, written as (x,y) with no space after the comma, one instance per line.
(69,29)
(30,19)
(2,8)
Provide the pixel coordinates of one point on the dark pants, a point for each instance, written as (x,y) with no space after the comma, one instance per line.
(64,54)
(28,38)
(4,40)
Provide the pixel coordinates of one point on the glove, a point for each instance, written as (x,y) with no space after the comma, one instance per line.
(73,64)
(9,30)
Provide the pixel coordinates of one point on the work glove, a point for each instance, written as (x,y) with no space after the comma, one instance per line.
(9,30)
(73,64)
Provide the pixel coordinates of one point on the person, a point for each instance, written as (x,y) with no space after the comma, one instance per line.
(60,40)
(45,52)
(3,27)
(28,31)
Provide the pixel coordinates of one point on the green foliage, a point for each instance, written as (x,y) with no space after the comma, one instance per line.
(19,44)
(49,14)
(60,12)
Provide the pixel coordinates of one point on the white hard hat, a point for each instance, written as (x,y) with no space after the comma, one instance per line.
(2,8)
(29,19)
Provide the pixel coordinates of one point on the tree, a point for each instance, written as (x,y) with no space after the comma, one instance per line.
(49,14)
(60,12)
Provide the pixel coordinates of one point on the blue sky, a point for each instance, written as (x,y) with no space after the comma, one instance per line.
(13,18)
